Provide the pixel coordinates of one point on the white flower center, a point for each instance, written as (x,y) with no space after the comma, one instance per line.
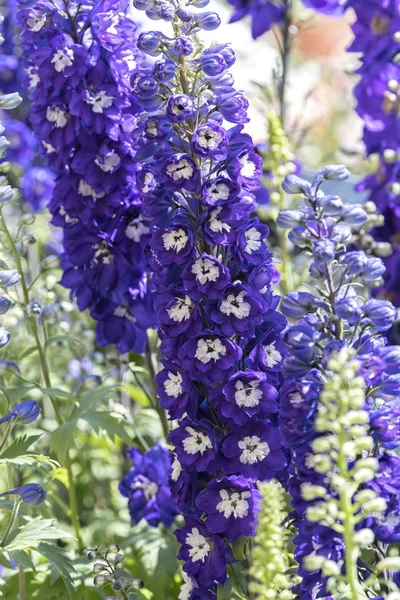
(208,138)
(248,168)
(234,503)
(109,162)
(35,22)
(253,450)
(136,229)
(235,305)
(148,182)
(180,170)
(215,223)
(295,398)
(86,190)
(123,313)
(33,74)
(200,546)
(209,349)
(390,520)
(177,108)
(176,469)
(151,128)
(181,310)
(64,57)
(196,442)
(48,147)
(253,240)
(272,355)
(175,240)
(150,488)
(247,394)
(187,587)
(173,385)
(219,191)
(205,270)
(54,114)
(103,252)
(100,101)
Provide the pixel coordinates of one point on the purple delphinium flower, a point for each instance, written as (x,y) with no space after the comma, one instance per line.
(204,553)
(231,505)
(213,296)
(334,316)
(85,116)
(146,487)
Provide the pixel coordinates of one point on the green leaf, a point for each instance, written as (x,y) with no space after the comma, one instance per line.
(63,438)
(135,393)
(32,533)
(33,460)
(19,446)
(59,562)
(21,558)
(224,592)
(30,350)
(92,398)
(104,421)
(57,392)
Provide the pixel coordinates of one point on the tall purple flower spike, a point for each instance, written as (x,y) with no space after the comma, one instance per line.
(83,112)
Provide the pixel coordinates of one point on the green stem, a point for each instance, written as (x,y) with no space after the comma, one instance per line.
(7,435)
(47,379)
(21,583)
(346,505)
(10,526)
(160,411)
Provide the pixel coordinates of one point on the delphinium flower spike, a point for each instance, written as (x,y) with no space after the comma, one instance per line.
(377,94)
(220,333)
(336,317)
(78,62)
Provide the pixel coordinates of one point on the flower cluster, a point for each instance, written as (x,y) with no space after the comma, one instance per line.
(220,333)
(107,571)
(266,14)
(78,63)
(270,555)
(377,94)
(336,316)
(146,487)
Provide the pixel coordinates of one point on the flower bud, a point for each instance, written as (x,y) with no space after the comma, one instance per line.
(150,42)
(25,412)
(313,562)
(9,278)
(330,568)
(113,548)
(100,580)
(295,185)
(4,337)
(376,505)
(10,101)
(289,218)
(391,563)
(207,21)
(5,305)
(99,567)
(31,493)
(312,492)
(364,537)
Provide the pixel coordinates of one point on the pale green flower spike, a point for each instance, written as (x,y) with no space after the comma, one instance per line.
(343,454)
(271,558)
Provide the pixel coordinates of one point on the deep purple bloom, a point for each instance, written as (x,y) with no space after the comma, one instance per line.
(146,487)
(204,554)
(254,452)
(246,396)
(205,276)
(175,391)
(195,445)
(231,505)
(209,356)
